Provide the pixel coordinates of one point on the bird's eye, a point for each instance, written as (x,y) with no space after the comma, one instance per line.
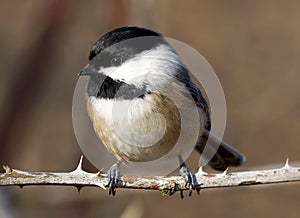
(116,61)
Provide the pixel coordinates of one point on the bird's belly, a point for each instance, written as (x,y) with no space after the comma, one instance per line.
(136,130)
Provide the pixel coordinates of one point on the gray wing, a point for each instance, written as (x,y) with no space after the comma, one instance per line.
(226,155)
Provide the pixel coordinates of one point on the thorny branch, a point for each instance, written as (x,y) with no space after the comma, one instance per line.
(167,184)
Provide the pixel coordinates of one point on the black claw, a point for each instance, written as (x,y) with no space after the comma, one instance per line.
(190,191)
(181,194)
(112,186)
(114,179)
(190,178)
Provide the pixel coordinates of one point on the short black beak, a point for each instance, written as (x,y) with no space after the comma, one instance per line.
(87,71)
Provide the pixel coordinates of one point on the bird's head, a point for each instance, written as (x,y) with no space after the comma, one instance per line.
(131,61)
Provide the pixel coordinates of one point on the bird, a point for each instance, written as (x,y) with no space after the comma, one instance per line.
(135,74)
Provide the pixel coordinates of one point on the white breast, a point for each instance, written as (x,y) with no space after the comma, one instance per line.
(127,127)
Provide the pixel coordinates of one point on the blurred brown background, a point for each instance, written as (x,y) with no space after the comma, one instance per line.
(254,46)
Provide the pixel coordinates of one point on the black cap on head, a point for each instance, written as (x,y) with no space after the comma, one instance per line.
(118,35)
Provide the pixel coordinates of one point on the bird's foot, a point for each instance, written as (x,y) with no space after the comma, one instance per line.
(190,178)
(114,178)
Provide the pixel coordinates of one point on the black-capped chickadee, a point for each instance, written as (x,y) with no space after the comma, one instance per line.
(137,79)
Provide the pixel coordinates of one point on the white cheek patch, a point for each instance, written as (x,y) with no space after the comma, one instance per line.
(147,67)
(107,71)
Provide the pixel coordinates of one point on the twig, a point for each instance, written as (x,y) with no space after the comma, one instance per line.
(168,185)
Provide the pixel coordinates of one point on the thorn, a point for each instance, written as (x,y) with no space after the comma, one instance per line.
(286,165)
(99,184)
(201,171)
(79,167)
(99,172)
(7,169)
(79,188)
(225,172)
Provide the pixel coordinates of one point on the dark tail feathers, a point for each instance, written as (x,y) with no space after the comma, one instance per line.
(225,156)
